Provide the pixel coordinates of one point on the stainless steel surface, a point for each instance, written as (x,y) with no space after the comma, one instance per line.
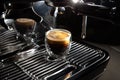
(33,63)
(10,44)
(12,72)
(84,27)
(9,23)
(113,69)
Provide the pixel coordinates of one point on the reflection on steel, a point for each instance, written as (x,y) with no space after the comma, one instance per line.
(84,26)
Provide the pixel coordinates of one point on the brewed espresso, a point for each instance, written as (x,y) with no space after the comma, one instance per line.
(24,25)
(58,41)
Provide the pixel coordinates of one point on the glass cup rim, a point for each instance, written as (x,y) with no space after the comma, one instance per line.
(66,38)
(59,29)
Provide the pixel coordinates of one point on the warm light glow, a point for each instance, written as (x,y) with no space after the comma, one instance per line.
(75,1)
(9,4)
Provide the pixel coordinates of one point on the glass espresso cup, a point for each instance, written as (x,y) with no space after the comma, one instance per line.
(57,43)
(26,27)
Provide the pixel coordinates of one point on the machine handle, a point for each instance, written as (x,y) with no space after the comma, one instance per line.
(93,10)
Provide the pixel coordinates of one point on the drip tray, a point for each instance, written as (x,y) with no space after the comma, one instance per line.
(84,62)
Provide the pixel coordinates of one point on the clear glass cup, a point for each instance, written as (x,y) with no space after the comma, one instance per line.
(58,44)
(26,27)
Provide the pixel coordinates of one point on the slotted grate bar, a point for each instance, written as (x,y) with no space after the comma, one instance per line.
(32,61)
(9,44)
(52,70)
(30,58)
(83,58)
(77,55)
(6,68)
(12,72)
(21,77)
(83,55)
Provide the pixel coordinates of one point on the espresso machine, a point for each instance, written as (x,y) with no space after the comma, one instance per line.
(105,10)
(87,62)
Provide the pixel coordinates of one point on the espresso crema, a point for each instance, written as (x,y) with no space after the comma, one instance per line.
(23,25)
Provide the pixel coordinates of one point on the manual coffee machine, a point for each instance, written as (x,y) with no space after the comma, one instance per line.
(103,9)
(86,61)
(68,3)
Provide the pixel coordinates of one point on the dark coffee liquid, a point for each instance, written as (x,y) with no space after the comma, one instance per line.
(24,25)
(58,48)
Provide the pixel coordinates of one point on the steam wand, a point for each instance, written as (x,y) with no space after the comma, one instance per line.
(84,18)
(55,16)
(84,27)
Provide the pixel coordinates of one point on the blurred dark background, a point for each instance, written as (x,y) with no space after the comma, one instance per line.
(103,34)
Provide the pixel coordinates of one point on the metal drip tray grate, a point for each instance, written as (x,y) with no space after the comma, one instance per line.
(81,58)
(10,43)
(84,56)
(38,68)
(12,72)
